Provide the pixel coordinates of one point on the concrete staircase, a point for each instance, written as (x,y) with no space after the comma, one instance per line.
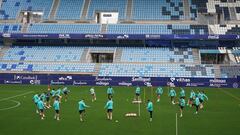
(84,55)
(54,9)
(232,12)
(118,55)
(196,56)
(104,28)
(231,57)
(97,68)
(186,8)
(85,10)
(3,50)
(129,9)
(24,28)
(217,71)
(0,3)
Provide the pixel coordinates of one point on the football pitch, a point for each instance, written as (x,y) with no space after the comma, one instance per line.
(220,116)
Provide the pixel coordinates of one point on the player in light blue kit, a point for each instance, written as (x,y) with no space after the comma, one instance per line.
(56,106)
(41,108)
(197,103)
(65,92)
(137,93)
(191,98)
(110,92)
(150,109)
(109,107)
(81,108)
(202,98)
(159,92)
(36,98)
(182,93)
(172,94)
(182,104)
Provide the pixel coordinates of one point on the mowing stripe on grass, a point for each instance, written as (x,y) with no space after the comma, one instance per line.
(3,99)
(15,106)
(176,125)
(230,94)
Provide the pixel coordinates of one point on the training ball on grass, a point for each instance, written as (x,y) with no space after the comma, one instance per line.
(116,120)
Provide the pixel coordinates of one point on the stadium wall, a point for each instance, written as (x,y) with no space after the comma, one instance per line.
(71,79)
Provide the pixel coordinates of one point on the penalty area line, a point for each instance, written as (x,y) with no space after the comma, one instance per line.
(26,93)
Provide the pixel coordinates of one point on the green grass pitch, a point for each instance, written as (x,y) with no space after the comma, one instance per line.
(221,115)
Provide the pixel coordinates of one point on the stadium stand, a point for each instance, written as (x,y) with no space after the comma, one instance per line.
(157,55)
(157,29)
(43,53)
(69,9)
(236,53)
(10,28)
(157,70)
(64,28)
(11,8)
(107,6)
(158,10)
(230,71)
(225,29)
(47,67)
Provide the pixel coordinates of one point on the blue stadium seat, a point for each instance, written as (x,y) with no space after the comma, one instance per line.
(157,29)
(69,9)
(157,70)
(11,8)
(65,28)
(158,10)
(43,53)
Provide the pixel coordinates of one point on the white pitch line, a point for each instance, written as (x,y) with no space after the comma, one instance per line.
(230,94)
(139,109)
(15,106)
(176,125)
(3,99)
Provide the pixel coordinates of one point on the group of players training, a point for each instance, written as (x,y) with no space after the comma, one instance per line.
(43,101)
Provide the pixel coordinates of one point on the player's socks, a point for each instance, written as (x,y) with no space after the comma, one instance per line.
(181,115)
(150,119)
(37,112)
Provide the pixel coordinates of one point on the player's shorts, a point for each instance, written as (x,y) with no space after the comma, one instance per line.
(41,110)
(201,101)
(57,111)
(150,111)
(93,94)
(81,111)
(137,94)
(158,94)
(109,110)
(181,107)
(183,97)
(35,103)
(47,99)
(191,99)
(65,92)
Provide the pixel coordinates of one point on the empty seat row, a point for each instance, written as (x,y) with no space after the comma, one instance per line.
(43,53)
(157,70)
